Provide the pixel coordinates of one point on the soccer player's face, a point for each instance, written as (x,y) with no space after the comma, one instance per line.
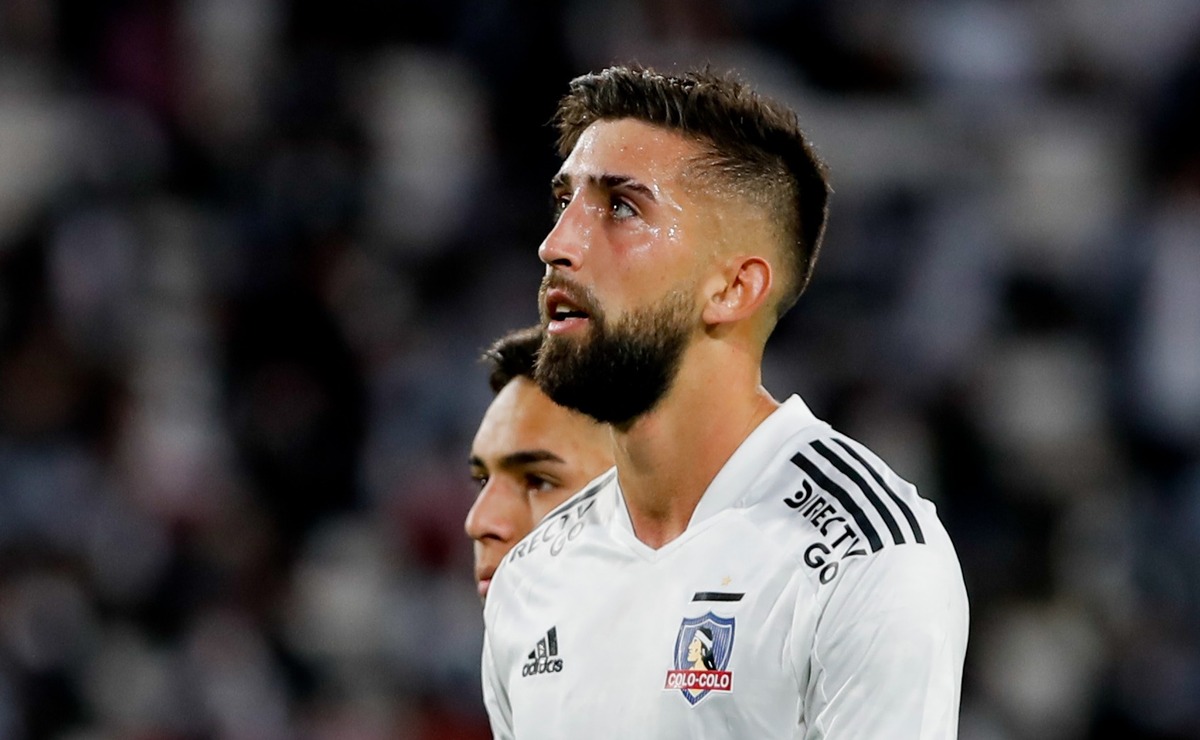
(625,261)
(528,456)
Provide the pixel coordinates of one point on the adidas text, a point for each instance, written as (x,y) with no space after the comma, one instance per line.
(542,665)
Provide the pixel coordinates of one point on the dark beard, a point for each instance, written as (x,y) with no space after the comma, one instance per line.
(621,370)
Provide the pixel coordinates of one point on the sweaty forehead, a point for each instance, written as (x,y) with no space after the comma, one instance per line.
(631,148)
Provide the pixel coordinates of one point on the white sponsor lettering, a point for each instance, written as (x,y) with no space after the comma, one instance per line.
(700,680)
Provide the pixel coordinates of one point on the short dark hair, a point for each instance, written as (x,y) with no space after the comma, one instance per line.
(512,356)
(754,142)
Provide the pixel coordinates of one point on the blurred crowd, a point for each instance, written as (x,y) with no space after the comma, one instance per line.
(250,251)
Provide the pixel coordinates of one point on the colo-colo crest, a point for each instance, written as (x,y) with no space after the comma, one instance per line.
(702,651)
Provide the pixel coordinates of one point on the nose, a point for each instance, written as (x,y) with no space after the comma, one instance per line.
(566,243)
(493,515)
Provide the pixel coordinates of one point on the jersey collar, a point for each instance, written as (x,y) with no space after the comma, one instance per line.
(752,457)
(736,478)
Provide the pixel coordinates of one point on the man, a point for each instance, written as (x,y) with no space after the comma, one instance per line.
(700,653)
(689,215)
(528,456)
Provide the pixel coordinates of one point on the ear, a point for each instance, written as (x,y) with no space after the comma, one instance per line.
(739,291)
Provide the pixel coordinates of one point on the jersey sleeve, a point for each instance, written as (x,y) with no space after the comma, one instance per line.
(887,651)
(495,695)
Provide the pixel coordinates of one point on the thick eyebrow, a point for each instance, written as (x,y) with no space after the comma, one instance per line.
(606,182)
(519,459)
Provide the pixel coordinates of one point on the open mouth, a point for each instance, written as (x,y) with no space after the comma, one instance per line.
(563,312)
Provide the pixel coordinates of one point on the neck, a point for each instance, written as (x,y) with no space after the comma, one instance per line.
(667,458)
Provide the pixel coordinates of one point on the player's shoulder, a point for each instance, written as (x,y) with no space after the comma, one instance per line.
(563,525)
(834,506)
(836,471)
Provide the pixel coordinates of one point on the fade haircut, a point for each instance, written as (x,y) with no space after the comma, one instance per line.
(752,143)
(512,356)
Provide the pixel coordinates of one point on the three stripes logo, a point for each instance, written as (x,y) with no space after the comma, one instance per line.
(544,657)
(839,511)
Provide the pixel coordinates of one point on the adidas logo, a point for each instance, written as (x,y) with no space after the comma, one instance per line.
(544,658)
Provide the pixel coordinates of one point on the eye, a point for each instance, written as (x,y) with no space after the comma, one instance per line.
(558,204)
(480,479)
(621,209)
(538,484)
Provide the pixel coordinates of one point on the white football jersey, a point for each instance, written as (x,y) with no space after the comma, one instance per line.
(814,594)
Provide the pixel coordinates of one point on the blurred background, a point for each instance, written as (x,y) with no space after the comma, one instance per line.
(251,249)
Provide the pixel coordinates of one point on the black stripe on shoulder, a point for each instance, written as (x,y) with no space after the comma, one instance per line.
(845,469)
(843,497)
(904,508)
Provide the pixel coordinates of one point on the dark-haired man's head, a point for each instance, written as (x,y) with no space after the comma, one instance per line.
(750,146)
(685,205)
